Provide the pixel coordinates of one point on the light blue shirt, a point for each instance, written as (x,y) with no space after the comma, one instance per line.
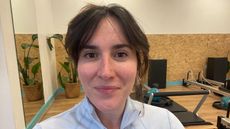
(137,115)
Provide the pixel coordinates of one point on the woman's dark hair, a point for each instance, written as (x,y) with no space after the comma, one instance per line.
(82,27)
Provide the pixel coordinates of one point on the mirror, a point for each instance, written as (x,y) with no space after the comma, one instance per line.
(62,11)
(27,48)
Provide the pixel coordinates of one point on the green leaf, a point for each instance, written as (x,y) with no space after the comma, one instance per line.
(50,45)
(35,68)
(65,65)
(35,46)
(28,61)
(26,45)
(24,73)
(24,76)
(75,75)
(30,81)
(65,79)
(34,36)
(60,80)
(57,36)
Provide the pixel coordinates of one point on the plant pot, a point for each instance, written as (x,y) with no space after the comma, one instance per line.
(72,90)
(33,92)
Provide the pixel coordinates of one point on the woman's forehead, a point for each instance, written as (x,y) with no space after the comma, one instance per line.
(109,29)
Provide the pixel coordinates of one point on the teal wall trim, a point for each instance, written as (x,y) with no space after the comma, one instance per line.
(44,108)
(174,83)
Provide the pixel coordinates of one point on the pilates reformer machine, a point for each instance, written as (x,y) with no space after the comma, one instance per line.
(223,122)
(186,117)
(154,97)
(204,83)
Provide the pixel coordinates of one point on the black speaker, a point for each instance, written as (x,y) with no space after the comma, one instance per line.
(217,69)
(157,73)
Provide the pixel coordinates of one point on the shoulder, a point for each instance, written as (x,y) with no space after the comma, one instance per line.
(157,117)
(149,109)
(78,117)
(63,120)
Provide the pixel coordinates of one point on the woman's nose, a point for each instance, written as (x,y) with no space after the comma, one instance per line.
(106,68)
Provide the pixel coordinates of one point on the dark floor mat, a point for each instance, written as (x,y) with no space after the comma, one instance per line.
(186,117)
(189,118)
(168,103)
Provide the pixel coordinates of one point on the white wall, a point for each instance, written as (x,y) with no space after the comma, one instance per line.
(155,16)
(11,111)
(159,16)
(6,114)
(24,16)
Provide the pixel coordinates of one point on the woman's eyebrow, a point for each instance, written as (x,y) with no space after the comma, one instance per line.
(90,47)
(118,46)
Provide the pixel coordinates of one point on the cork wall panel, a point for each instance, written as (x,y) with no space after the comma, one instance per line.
(183,52)
(34,52)
(186,52)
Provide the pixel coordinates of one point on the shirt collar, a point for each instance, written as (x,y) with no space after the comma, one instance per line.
(88,107)
(131,113)
(90,113)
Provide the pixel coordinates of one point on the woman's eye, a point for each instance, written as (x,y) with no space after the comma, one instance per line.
(90,55)
(120,55)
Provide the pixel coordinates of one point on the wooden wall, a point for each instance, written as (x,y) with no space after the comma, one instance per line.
(34,52)
(186,52)
(183,52)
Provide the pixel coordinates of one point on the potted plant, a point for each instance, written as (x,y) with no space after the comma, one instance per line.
(28,70)
(69,80)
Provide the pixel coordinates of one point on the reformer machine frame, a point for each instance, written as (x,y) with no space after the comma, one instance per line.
(187,82)
(183,93)
(186,117)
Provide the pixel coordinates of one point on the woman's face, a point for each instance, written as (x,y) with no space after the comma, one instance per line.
(107,67)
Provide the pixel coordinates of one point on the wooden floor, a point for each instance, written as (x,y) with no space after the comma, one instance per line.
(31,108)
(61,104)
(207,112)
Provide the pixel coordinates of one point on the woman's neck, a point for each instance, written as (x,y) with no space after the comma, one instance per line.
(111,119)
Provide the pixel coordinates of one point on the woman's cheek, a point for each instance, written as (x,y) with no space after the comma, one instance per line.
(84,73)
(128,71)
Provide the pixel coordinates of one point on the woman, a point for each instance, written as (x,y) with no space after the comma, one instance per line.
(111,55)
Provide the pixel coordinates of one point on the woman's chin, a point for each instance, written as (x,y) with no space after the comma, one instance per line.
(107,105)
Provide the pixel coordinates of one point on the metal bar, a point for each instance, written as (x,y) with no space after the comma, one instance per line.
(200,104)
(207,87)
(215,82)
(181,93)
(227,115)
(147,87)
(150,98)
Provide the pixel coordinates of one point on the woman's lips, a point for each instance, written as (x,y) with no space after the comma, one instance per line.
(107,89)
